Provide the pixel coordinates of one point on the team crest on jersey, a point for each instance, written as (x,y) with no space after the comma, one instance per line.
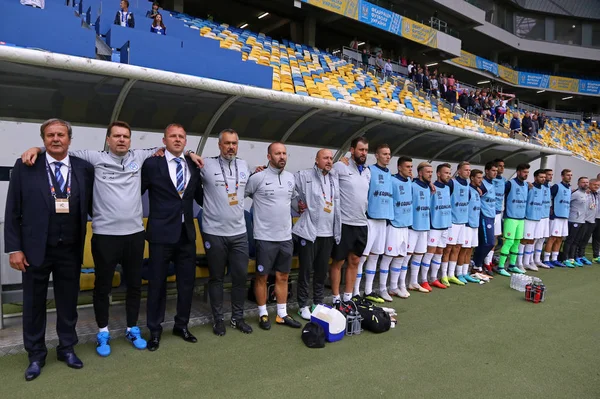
(508,234)
(433,240)
(303,242)
(207,245)
(242,175)
(449,238)
(260,268)
(133,166)
(390,249)
(489,226)
(290,184)
(575,225)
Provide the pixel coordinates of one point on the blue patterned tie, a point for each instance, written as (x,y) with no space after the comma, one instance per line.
(179,173)
(60,180)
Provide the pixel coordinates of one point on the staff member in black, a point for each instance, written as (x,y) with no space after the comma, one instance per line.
(173,183)
(44,232)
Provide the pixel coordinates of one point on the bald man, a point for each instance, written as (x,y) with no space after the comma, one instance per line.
(272,191)
(318,228)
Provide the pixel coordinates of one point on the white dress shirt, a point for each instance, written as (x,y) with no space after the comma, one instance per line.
(173,171)
(64,169)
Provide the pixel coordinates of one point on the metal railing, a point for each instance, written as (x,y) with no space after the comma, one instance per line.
(355,57)
(551,112)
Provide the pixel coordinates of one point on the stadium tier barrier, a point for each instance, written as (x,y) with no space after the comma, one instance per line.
(54,28)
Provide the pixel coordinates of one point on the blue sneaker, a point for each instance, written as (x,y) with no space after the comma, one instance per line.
(470,279)
(135,337)
(585,261)
(558,263)
(577,262)
(462,279)
(549,264)
(103,344)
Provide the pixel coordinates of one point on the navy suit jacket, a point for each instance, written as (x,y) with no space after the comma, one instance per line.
(29,205)
(166,206)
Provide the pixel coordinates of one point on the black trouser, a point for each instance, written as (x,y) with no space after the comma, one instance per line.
(587,231)
(63,262)
(313,256)
(108,251)
(572,241)
(183,255)
(233,252)
(596,239)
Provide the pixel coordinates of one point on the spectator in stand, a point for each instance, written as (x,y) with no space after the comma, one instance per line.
(443,88)
(536,125)
(365,60)
(527,125)
(158,26)
(515,124)
(427,84)
(542,121)
(463,100)
(411,70)
(377,51)
(471,107)
(486,108)
(379,63)
(153,12)
(434,85)
(451,97)
(477,106)
(354,44)
(403,61)
(419,79)
(34,3)
(124,17)
(388,68)
(451,80)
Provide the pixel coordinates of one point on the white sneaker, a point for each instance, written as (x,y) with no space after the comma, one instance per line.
(304,313)
(521,268)
(386,297)
(400,292)
(417,287)
(539,263)
(531,267)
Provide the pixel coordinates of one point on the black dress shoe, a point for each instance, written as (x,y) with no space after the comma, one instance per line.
(153,343)
(219,328)
(71,359)
(34,370)
(185,334)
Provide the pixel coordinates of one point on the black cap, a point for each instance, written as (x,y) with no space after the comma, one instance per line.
(313,335)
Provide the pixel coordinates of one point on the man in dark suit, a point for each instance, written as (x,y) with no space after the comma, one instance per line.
(173,184)
(44,232)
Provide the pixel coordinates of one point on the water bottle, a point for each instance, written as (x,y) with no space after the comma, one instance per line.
(512,281)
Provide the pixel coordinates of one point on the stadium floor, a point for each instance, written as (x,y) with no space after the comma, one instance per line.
(467,342)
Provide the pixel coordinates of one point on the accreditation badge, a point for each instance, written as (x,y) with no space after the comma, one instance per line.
(233,199)
(61,205)
(328,206)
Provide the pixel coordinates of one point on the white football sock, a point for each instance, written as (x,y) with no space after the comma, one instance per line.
(528,257)
(384,269)
(281,310)
(489,257)
(336,298)
(554,256)
(539,244)
(262,310)
(104,329)
(395,269)
(520,255)
(444,269)
(546,256)
(415,266)
(347,296)
(436,262)
(370,270)
(359,274)
(403,271)
(451,268)
(425,265)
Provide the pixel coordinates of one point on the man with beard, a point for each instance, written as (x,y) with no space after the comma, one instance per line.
(272,191)
(318,228)
(224,229)
(354,181)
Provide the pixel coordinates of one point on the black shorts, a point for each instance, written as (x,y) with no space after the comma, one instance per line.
(354,240)
(274,255)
